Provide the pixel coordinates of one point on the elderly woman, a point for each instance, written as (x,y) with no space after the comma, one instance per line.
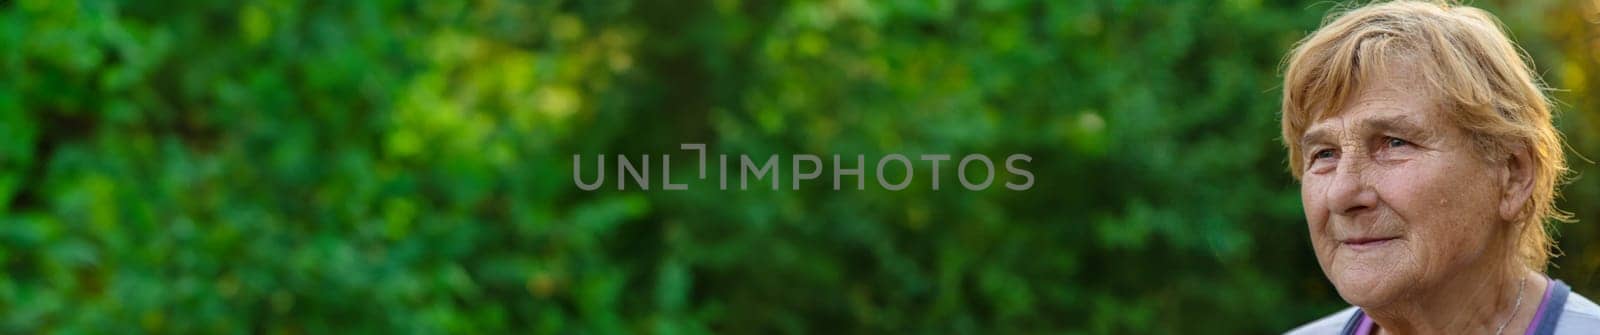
(1428,167)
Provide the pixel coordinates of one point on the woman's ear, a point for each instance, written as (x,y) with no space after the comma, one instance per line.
(1518,181)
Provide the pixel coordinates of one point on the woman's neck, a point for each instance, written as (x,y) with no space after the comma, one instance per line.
(1477,302)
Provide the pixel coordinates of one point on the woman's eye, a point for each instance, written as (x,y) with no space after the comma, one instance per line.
(1395,142)
(1324,153)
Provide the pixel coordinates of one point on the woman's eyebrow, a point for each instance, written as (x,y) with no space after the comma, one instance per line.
(1397,123)
(1315,135)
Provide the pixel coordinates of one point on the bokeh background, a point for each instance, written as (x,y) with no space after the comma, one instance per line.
(294,166)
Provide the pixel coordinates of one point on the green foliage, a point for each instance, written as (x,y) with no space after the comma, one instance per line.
(289,166)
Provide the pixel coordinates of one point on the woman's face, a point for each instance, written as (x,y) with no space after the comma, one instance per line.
(1395,197)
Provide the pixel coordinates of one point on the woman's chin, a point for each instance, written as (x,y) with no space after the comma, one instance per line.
(1369,288)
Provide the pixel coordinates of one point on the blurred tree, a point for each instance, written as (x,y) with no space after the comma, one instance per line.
(288,166)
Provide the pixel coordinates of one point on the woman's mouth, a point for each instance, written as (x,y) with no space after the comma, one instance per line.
(1364,243)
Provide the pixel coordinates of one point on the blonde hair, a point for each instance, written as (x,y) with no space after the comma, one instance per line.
(1467,60)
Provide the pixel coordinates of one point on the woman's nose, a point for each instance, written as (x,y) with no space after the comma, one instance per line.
(1351,191)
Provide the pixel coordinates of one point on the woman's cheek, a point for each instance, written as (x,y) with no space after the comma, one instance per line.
(1313,199)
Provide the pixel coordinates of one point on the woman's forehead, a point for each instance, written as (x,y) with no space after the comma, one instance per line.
(1380,109)
(1380,100)
(1398,89)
